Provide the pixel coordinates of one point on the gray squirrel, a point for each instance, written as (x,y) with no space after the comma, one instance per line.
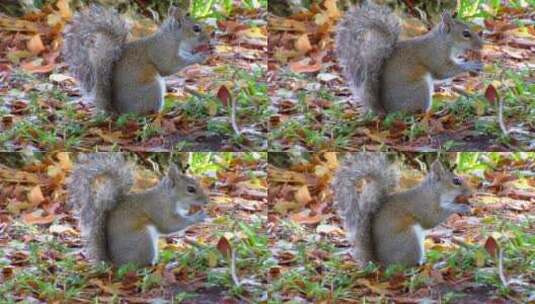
(388,75)
(126,77)
(387,227)
(120,226)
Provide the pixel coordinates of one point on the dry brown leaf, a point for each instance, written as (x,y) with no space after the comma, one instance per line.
(304,217)
(36,218)
(332,9)
(302,196)
(35,196)
(223,245)
(491,94)
(491,246)
(304,66)
(35,44)
(32,68)
(64,160)
(64,9)
(332,161)
(224,95)
(302,44)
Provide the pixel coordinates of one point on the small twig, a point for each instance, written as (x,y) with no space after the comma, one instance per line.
(500,117)
(461,242)
(233,117)
(194,93)
(460,91)
(500,268)
(194,243)
(233,267)
(233,109)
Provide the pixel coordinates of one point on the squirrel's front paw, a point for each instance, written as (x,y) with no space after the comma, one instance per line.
(463,209)
(199,216)
(474,66)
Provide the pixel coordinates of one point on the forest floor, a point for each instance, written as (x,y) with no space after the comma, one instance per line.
(42,109)
(313,108)
(464,255)
(42,260)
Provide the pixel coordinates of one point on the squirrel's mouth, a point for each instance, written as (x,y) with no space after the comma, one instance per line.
(462,199)
(194,209)
(203,48)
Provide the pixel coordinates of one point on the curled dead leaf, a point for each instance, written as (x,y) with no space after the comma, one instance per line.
(223,245)
(302,44)
(491,246)
(491,94)
(302,196)
(35,44)
(37,218)
(224,95)
(304,66)
(35,196)
(306,217)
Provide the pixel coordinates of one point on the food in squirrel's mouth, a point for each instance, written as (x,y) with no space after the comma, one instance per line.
(462,199)
(194,209)
(203,48)
(471,54)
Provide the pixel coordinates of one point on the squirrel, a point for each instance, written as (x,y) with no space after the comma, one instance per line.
(387,74)
(389,227)
(120,226)
(126,77)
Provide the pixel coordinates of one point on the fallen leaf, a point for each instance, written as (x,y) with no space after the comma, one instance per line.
(224,95)
(302,196)
(302,44)
(304,66)
(491,94)
(35,44)
(332,9)
(491,246)
(304,217)
(37,218)
(223,245)
(329,229)
(35,196)
(64,9)
(64,160)
(62,229)
(61,78)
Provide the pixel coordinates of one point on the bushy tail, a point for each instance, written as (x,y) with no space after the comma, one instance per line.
(357,209)
(365,37)
(92,43)
(96,184)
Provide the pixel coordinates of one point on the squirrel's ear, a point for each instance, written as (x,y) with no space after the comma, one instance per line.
(173,174)
(437,170)
(447,22)
(172,11)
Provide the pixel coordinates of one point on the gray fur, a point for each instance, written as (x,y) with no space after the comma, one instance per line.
(93,42)
(388,227)
(121,226)
(365,38)
(387,75)
(358,209)
(125,77)
(95,187)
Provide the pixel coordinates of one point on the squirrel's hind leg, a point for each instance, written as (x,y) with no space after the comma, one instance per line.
(410,97)
(403,247)
(137,247)
(102,57)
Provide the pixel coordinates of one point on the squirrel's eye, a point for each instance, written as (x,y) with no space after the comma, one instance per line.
(187,14)
(467,34)
(457,181)
(196,28)
(191,189)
